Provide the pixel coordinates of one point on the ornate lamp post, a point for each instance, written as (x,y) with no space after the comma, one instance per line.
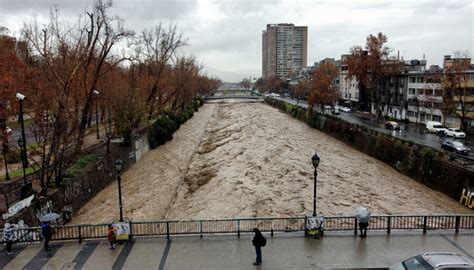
(118,167)
(315,159)
(5,151)
(96,93)
(21,98)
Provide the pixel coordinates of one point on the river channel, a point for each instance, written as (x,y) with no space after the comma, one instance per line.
(246,159)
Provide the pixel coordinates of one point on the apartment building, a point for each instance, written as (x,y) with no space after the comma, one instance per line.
(348,87)
(463,94)
(284,50)
(424,93)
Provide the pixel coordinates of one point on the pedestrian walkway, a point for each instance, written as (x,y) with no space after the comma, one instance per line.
(283,251)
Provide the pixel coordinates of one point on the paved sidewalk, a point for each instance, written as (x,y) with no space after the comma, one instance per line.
(283,251)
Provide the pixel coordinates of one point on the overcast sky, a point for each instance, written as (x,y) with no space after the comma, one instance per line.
(226,37)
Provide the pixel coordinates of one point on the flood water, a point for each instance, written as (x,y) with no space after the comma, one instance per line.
(236,159)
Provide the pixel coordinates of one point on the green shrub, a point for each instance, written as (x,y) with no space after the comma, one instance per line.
(161,131)
(80,163)
(427,157)
(411,160)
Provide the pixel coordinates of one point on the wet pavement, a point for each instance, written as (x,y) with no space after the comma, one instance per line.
(283,251)
(409,131)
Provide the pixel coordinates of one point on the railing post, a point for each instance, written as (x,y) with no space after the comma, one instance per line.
(425,219)
(200,227)
(238,227)
(80,234)
(458,219)
(355,226)
(6,201)
(131,230)
(167,230)
(389,224)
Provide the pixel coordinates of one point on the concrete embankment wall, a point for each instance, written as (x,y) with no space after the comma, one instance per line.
(429,166)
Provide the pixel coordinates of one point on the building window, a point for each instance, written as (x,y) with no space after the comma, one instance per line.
(411,91)
(411,113)
(436,118)
(412,79)
(419,79)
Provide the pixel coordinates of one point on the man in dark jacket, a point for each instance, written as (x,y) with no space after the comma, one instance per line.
(258,241)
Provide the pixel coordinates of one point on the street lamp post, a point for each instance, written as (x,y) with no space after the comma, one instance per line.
(4,150)
(315,159)
(22,139)
(21,144)
(118,167)
(96,93)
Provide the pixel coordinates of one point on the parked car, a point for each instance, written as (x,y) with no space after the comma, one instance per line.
(392,125)
(335,111)
(435,127)
(455,132)
(454,146)
(327,109)
(345,109)
(435,260)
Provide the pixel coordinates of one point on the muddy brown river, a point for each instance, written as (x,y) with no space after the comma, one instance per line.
(237,159)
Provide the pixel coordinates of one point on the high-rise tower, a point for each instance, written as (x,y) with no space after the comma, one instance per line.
(284,50)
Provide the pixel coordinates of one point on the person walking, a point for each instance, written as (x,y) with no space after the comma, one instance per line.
(47,232)
(9,236)
(258,241)
(111,236)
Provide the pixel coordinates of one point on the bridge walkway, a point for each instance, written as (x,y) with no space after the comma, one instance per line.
(283,251)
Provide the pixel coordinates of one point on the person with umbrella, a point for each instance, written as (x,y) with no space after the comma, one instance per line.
(9,237)
(363,217)
(47,232)
(46,229)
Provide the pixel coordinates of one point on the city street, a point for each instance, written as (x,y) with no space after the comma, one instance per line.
(412,132)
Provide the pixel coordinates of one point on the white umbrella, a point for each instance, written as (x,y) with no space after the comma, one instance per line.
(49,217)
(362,214)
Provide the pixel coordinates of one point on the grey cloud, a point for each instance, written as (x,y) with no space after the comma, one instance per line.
(441,6)
(152,10)
(232,40)
(246,7)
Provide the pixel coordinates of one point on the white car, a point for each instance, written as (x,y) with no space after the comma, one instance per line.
(457,133)
(435,260)
(345,109)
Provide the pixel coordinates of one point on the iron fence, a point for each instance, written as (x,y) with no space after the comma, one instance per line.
(246,225)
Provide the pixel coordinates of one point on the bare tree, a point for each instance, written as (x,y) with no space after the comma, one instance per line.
(157,47)
(70,61)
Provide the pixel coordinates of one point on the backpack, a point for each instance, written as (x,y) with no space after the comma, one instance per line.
(264,241)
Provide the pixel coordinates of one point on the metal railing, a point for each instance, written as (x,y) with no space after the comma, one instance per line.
(246,225)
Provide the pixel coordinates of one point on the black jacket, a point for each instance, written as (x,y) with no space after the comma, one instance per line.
(258,240)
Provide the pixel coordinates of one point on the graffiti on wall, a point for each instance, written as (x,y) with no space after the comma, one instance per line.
(467,198)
